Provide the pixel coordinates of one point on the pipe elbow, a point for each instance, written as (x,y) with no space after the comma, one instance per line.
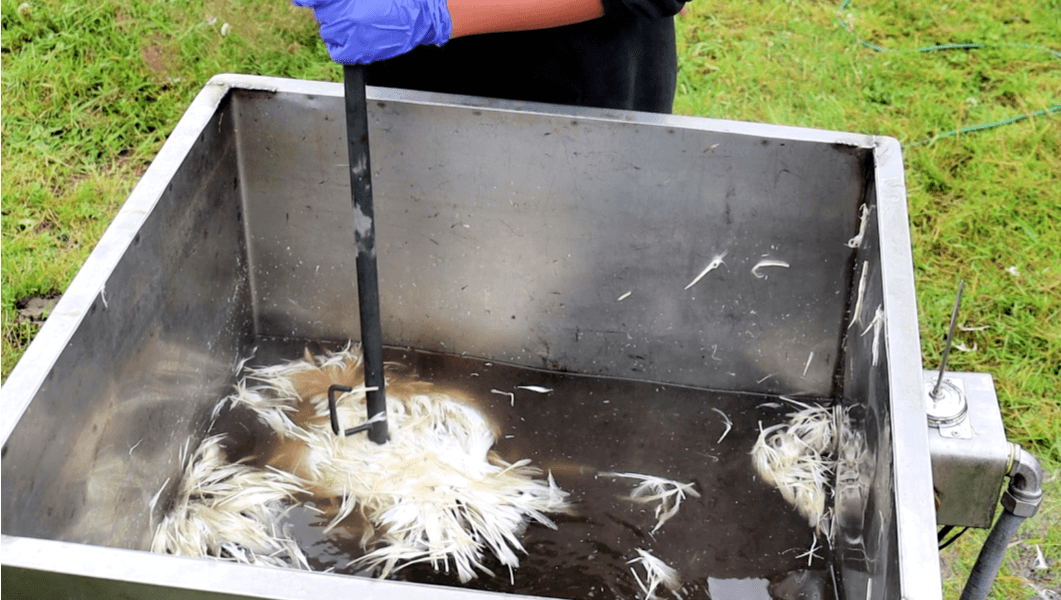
(1025,491)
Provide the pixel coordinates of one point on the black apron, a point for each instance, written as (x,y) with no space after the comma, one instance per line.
(626,59)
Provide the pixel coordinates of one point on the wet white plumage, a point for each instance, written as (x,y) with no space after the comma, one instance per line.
(231,512)
(797,458)
(434,492)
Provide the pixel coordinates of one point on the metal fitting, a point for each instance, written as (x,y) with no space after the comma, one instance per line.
(1025,491)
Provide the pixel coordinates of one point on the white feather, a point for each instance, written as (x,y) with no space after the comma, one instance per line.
(657,573)
(669,493)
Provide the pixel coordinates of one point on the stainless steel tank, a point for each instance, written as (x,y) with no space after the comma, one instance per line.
(506,231)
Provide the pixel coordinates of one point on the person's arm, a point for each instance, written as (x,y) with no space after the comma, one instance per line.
(471,17)
(364,31)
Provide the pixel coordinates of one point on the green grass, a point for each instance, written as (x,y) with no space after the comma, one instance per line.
(984,206)
(90,91)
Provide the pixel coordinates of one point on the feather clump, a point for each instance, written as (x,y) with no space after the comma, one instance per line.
(435,492)
(797,458)
(231,512)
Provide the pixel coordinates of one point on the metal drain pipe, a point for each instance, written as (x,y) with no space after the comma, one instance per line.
(1020,501)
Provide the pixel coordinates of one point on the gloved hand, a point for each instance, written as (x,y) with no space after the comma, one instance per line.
(364,31)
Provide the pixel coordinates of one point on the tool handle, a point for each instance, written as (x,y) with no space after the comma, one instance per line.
(365,240)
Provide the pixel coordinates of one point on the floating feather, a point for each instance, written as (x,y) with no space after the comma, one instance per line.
(657,573)
(669,493)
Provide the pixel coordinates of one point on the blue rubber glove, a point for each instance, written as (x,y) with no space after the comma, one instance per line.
(364,31)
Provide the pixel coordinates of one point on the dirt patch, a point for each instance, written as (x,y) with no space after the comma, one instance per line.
(125,158)
(35,309)
(161,57)
(155,58)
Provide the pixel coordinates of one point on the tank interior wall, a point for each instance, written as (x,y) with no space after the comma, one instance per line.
(866,548)
(559,242)
(147,363)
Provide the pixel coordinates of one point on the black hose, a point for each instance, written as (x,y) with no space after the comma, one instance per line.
(365,239)
(988,563)
(1020,501)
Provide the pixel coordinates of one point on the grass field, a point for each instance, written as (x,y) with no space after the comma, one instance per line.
(90,91)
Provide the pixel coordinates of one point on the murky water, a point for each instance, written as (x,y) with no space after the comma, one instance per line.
(739,536)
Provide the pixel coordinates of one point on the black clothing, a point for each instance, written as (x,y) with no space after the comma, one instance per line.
(626,59)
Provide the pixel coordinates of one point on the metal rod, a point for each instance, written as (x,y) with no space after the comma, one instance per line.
(365,240)
(333,412)
(950,336)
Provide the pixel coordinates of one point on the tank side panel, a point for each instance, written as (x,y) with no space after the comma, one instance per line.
(152,354)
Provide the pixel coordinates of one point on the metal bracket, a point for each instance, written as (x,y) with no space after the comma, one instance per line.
(333,413)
